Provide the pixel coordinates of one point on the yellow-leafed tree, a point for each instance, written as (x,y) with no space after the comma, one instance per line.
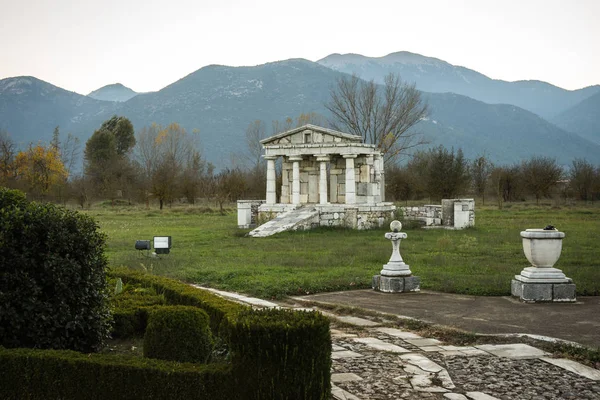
(41,168)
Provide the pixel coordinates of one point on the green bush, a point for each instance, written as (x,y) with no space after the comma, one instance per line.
(52,277)
(178,333)
(130,310)
(219,310)
(274,354)
(282,354)
(12,198)
(68,375)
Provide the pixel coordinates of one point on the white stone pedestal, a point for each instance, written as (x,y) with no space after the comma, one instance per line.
(542,282)
(396,277)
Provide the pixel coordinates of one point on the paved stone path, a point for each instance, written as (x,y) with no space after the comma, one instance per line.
(370,361)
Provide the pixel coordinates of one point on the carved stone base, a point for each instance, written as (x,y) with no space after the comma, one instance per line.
(543,292)
(396,284)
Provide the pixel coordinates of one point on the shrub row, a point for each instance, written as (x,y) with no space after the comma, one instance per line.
(179,293)
(68,375)
(178,333)
(274,354)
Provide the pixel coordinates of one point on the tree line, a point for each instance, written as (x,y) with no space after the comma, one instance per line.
(440,173)
(163,163)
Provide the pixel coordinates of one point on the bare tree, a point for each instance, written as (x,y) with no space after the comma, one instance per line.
(583,177)
(481,169)
(383,116)
(540,174)
(7,158)
(164,153)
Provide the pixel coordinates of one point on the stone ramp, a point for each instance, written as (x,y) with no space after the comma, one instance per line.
(289,220)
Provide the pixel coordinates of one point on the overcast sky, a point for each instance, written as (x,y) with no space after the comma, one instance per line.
(81,45)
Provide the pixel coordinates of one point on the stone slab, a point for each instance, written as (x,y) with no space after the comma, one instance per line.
(379,344)
(455,396)
(480,396)
(399,333)
(461,348)
(575,367)
(452,353)
(515,351)
(336,355)
(345,377)
(422,362)
(341,334)
(335,347)
(475,352)
(423,342)
(444,377)
(341,394)
(357,321)
(430,349)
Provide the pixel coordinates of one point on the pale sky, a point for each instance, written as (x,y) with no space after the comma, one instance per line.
(81,45)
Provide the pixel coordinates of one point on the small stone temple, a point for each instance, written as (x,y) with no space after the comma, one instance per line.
(329,178)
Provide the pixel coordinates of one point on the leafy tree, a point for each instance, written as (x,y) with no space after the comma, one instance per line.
(383,116)
(41,167)
(107,162)
(583,177)
(123,131)
(540,175)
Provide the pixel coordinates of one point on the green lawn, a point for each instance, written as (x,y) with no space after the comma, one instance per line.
(209,249)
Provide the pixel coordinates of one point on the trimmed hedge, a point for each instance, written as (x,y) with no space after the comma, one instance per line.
(178,293)
(68,375)
(52,277)
(178,333)
(282,354)
(275,354)
(130,310)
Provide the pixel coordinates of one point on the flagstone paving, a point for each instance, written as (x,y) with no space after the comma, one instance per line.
(374,362)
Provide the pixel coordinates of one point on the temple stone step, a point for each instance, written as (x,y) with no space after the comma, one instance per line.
(287,221)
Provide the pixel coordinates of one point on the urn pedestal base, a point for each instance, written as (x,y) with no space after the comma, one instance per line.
(399,284)
(543,292)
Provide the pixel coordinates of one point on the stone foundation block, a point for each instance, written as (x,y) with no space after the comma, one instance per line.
(543,292)
(564,292)
(396,284)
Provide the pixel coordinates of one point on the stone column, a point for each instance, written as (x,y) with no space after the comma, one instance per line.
(322,178)
(296,179)
(381,173)
(350,180)
(271,193)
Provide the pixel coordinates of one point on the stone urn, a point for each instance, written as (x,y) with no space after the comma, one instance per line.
(542,247)
(541,282)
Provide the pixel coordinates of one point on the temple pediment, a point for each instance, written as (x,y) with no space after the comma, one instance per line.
(310,135)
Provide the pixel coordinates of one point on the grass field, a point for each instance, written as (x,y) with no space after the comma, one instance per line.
(209,249)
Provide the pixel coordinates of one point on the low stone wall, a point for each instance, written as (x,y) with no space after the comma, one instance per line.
(431,215)
(356,217)
(451,214)
(351,216)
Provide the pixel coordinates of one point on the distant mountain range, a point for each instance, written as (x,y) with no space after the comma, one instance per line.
(221,101)
(433,75)
(114,92)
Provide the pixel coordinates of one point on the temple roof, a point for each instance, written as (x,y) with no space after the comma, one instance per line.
(310,134)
